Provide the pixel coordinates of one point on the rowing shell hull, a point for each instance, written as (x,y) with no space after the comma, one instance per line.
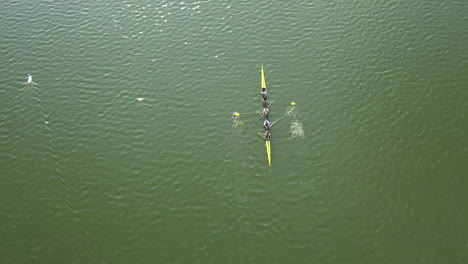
(268,150)
(267,142)
(263,82)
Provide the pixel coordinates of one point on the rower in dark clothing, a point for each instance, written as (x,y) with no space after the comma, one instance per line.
(264,102)
(267,134)
(264,93)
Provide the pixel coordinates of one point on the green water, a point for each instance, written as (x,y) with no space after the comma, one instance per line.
(92,174)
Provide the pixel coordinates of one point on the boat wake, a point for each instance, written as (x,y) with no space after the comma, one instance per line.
(296,129)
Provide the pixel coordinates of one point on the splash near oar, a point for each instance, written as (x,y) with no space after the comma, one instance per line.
(236,121)
(296,129)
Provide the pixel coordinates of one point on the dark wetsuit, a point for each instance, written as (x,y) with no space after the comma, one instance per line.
(265,103)
(264,93)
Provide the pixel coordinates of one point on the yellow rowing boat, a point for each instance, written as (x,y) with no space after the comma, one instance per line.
(268,150)
(263,79)
(267,141)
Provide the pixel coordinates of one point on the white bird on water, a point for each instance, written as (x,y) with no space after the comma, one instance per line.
(30,81)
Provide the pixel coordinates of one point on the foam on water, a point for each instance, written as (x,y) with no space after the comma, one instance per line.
(296,129)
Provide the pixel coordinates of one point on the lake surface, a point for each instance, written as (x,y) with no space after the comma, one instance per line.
(126,150)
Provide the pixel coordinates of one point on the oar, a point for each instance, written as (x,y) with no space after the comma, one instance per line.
(273,123)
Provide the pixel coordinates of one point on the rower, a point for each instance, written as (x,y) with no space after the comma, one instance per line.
(264,93)
(265,112)
(266,124)
(267,134)
(264,102)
